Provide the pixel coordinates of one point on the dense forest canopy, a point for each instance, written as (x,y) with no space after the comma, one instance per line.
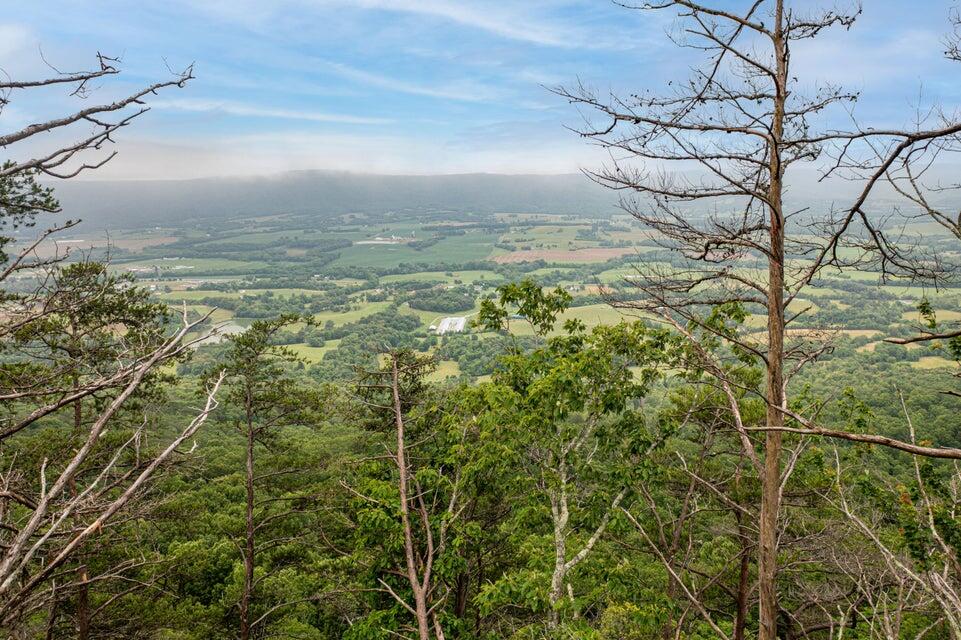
(716,412)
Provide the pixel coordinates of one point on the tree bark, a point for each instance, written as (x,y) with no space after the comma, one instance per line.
(673,587)
(83,605)
(561,514)
(744,579)
(249,532)
(420,597)
(83,590)
(771,474)
(461,593)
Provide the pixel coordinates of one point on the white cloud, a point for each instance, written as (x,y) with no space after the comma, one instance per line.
(267,153)
(526,21)
(485,16)
(240,109)
(466,91)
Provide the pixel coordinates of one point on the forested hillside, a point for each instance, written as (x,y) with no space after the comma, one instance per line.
(489,407)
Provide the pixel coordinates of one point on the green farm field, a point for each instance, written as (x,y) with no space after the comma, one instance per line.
(274,254)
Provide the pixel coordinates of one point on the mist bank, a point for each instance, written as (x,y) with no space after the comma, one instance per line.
(136,204)
(115,205)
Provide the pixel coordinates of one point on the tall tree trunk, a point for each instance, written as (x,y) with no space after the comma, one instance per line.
(744,579)
(560,514)
(673,587)
(419,590)
(771,476)
(557,578)
(247,594)
(53,615)
(83,605)
(461,593)
(83,589)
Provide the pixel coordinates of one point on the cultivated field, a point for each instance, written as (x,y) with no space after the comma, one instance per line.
(358,269)
(558,255)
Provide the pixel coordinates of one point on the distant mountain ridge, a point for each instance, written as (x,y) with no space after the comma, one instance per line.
(135,204)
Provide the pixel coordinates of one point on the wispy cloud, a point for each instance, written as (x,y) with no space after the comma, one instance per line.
(466,91)
(534,22)
(486,16)
(254,111)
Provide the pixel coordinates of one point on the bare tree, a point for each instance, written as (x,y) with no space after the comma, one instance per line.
(703,167)
(66,351)
(953,41)
(104,119)
(670,520)
(427,513)
(926,196)
(922,562)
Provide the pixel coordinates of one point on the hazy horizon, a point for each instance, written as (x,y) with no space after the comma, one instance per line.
(411,87)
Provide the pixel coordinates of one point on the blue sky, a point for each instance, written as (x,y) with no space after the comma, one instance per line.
(411,86)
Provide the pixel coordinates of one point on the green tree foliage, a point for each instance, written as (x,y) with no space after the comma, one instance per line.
(83,424)
(263,400)
(480,356)
(22,199)
(442,300)
(361,341)
(570,410)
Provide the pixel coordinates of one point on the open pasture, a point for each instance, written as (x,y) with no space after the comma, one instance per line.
(473,245)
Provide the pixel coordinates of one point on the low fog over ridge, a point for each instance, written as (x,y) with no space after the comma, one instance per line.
(141,203)
(131,204)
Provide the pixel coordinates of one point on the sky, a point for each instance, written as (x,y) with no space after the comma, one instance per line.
(410,86)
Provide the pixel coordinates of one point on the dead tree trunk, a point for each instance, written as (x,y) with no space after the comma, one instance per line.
(83,605)
(743,581)
(249,527)
(39,542)
(741,122)
(426,512)
(771,479)
(417,587)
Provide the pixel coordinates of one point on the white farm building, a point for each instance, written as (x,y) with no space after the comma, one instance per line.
(452,325)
